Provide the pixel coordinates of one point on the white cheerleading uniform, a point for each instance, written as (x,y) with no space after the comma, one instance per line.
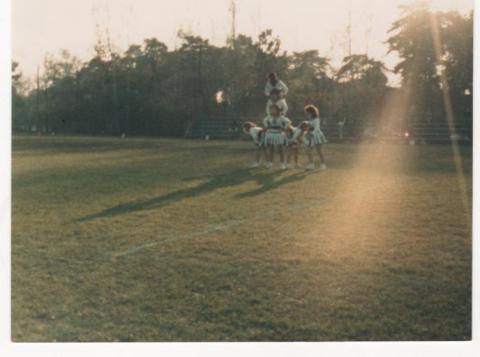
(275,128)
(257,135)
(281,104)
(282,87)
(315,136)
(293,136)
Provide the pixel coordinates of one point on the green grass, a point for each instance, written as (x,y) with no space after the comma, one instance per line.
(172,240)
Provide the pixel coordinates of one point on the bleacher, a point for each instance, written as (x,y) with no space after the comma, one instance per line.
(215,127)
(440,133)
(220,127)
(433,133)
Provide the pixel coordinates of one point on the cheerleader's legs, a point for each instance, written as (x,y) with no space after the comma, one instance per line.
(292,149)
(265,155)
(320,153)
(309,155)
(295,154)
(281,153)
(319,150)
(271,151)
(270,154)
(258,154)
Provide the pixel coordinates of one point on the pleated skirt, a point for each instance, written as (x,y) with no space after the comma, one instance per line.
(275,138)
(315,138)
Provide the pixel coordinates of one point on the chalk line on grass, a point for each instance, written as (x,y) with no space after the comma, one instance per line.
(173,237)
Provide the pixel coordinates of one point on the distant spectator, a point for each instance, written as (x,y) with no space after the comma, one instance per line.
(341,125)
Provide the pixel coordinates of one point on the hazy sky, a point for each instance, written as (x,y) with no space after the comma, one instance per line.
(41,26)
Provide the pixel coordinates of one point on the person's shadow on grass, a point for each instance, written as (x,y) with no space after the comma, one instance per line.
(273,185)
(214,182)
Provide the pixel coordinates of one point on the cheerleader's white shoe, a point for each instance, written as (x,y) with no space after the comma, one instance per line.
(283,166)
(255,165)
(310,167)
(323,167)
(269,165)
(290,166)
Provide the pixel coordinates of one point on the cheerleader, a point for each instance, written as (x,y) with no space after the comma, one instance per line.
(275,98)
(274,82)
(315,137)
(257,135)
(294,137)
(275,125)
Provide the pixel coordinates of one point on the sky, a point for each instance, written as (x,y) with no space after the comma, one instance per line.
(46,26)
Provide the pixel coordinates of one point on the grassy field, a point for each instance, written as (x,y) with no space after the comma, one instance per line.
(172,240)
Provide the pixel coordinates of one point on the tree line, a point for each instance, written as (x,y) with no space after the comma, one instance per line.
(151,90)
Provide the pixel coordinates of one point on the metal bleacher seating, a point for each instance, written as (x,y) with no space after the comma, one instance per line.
(215,127)
(428,133)
(439,133)
(221,127)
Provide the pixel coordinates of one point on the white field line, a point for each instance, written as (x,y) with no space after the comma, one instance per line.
(228,224)
(173,237)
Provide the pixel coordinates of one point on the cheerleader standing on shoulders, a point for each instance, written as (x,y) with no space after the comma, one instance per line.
(257,134)
(276,98)
(273,82)
(275,125)
(315,137)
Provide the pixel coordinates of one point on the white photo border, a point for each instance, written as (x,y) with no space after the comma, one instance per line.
(390,349)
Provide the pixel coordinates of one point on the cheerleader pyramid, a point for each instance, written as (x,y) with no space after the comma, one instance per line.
(278,133)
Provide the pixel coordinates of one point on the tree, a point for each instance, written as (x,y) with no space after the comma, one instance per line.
(19,101)
(362,84)
(310,80)
(457,36)
(431,45)
(151,90)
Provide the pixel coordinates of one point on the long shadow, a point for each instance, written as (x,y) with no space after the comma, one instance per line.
(234,178)
(273,185)
(214,182)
